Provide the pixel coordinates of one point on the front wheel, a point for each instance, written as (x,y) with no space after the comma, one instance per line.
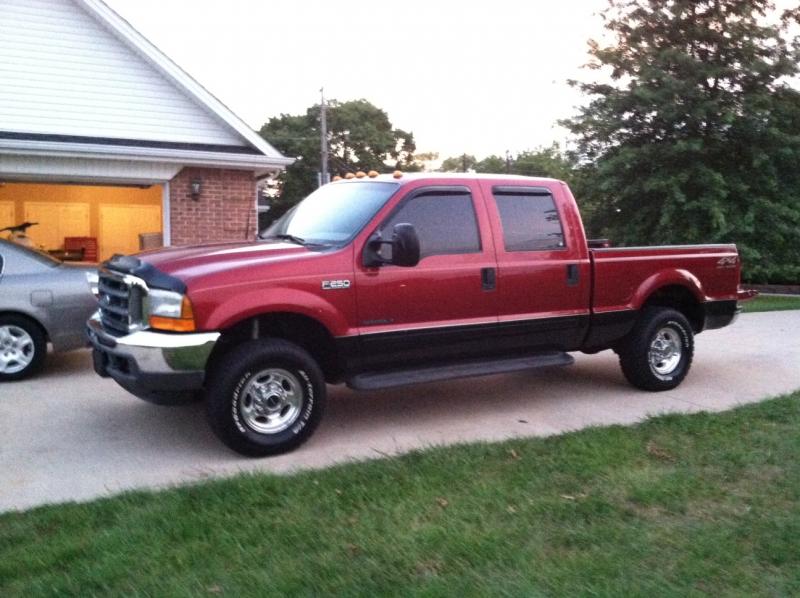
(265,397)
(23,347)
(658,352)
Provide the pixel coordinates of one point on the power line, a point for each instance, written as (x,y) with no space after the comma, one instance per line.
(323,118)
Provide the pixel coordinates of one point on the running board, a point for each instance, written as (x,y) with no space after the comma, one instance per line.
(463,369)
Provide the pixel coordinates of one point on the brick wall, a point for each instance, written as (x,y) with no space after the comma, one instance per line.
(225,210)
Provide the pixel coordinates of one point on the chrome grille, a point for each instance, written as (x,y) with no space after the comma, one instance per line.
(120,303)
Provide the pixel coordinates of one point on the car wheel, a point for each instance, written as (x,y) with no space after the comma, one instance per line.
(658,352)
(23,347)
(265,397)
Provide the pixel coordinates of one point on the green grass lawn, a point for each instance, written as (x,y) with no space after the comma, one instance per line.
(677,506)
(771,303)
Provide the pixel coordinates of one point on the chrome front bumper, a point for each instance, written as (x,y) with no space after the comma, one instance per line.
(151,364)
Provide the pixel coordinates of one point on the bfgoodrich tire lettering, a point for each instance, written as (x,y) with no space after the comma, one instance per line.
(658,352)
(265,397)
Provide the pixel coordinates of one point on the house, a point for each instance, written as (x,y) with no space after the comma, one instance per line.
(103,138)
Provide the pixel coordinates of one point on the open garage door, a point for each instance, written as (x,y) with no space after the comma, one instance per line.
(7,214)
(99,220)
(115,226)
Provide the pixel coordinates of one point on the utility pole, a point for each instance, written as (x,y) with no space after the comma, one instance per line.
(323,119)
(508,162)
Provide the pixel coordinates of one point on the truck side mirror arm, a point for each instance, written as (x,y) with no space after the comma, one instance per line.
(372,257)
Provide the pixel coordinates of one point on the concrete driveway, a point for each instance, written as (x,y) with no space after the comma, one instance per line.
(69,435)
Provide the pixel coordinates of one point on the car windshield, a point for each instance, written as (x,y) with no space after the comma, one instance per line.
(333,214)
(29,252)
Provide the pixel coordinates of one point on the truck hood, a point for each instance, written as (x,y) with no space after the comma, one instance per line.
(187,263)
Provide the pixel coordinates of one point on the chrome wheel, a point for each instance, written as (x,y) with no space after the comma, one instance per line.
(666,350)
(271,401)
(17,349)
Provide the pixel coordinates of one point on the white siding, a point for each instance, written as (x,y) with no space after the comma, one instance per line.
(62,72)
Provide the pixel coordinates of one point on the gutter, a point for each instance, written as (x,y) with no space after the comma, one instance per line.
(142,154)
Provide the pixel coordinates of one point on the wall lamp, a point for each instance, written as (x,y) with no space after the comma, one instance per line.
(195,187)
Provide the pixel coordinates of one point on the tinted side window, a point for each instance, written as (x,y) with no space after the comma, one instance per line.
(445,224)
(530,222)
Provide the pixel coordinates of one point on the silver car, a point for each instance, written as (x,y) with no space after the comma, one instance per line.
(41,300)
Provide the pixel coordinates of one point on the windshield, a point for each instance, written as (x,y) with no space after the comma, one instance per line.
(333,214)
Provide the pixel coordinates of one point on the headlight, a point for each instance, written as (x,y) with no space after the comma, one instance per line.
(167,310)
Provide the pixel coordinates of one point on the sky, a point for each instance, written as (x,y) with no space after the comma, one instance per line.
(465,77)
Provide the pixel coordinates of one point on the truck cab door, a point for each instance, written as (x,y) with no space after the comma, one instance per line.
(445,305)
(543,267)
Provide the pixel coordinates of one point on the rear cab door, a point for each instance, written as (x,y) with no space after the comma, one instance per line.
(443,307)
(544,270)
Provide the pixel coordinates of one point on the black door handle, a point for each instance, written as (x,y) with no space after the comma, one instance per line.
(488,279)
(572,275)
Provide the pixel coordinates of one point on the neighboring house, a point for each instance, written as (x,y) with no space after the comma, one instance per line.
(102,136)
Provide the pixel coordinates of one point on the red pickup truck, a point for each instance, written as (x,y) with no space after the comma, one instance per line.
(391,280)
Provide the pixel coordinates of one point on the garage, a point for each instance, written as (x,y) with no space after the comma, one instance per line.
(85,222)
(109,146)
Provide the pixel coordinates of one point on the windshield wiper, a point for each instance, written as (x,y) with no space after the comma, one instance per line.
(287,237)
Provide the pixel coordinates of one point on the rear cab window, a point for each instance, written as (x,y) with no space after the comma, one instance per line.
(529,219)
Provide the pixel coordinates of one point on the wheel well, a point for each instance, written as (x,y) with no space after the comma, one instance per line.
(304,331)
(31,319)
(681,299)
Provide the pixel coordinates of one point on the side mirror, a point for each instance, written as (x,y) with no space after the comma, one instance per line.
(405,248)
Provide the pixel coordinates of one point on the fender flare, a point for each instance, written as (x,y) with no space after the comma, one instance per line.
(666,278)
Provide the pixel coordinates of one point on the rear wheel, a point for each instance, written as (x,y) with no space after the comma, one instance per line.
(265,397)
(23,347)
(658,352)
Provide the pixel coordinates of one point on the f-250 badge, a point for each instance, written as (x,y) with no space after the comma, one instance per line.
(332,285)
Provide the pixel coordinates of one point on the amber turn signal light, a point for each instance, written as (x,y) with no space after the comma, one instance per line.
(183,324)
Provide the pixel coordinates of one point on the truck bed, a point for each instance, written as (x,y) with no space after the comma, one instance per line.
(624,278)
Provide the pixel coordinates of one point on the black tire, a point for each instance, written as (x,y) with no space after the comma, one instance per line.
(36,354)
(635,350)
(232,406)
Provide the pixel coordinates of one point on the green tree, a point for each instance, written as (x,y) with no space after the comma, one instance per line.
(695,136)
(492,165)
(462,163)
(294,137)
(360,137)
(545,162)
(541,162)
(418,164)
